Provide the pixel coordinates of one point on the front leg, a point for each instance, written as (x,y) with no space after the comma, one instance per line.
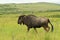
(35,30)
(28,29)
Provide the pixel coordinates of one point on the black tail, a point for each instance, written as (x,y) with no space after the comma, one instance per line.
(51,26)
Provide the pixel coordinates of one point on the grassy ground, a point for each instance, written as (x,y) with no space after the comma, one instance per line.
(10,30)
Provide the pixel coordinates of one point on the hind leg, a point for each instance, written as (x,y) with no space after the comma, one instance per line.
(46,28)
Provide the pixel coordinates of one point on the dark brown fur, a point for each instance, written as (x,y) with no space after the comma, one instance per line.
(34,22)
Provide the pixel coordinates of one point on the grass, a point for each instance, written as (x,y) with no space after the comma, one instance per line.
(10,30)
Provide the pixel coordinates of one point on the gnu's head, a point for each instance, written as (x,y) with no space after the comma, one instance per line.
(20,19)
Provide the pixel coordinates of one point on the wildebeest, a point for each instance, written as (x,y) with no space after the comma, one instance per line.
(32,21)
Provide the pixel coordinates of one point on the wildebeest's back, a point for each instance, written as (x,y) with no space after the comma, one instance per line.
(43,20)
(33,21)
(38,21)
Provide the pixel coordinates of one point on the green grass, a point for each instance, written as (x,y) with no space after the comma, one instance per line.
(10,30)
(28,8)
